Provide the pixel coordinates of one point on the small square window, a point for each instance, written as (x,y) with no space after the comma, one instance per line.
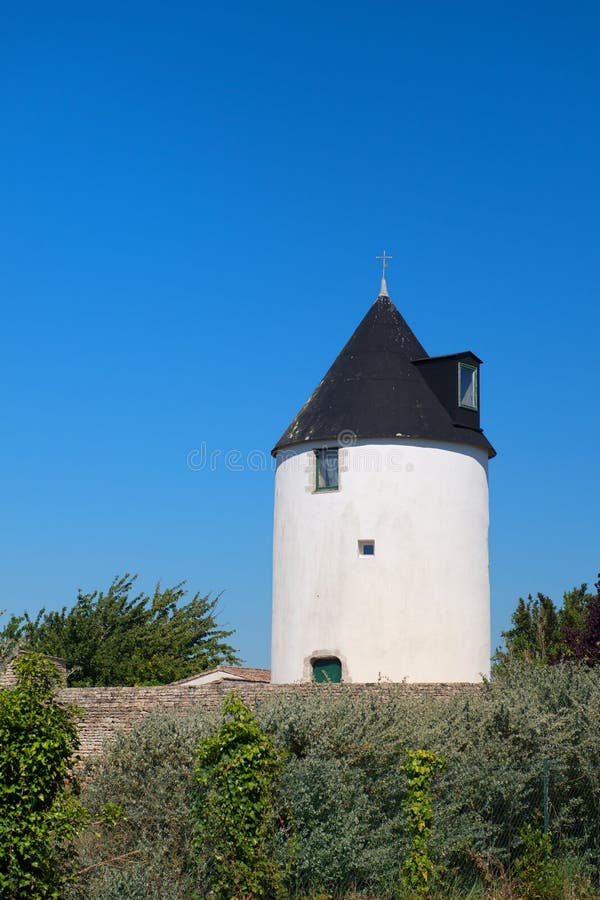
(467,386)
(366,548)
(327,477)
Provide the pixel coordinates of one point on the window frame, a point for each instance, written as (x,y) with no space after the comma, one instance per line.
(367,542)
(324,488)
(475,371)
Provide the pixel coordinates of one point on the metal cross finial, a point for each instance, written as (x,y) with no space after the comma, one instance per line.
(384,265)
(383,290)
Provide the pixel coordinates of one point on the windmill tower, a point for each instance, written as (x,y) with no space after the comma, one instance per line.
(380,546)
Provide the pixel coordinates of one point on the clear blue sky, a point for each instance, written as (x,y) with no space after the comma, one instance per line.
(193,195)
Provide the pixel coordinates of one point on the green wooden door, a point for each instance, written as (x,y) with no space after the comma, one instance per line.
(327,669)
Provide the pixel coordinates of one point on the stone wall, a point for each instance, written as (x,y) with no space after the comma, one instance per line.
(107,711)
(8,677)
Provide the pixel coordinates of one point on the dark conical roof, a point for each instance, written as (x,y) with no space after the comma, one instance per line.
(373,390)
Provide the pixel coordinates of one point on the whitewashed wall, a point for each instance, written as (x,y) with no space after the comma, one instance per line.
(419,608)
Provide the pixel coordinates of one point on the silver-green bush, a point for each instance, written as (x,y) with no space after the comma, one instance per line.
(149,775)
(340,794)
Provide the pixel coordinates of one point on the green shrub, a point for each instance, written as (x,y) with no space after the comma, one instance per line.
(343,787)
(419,870)
(333,824)
(39,813)
(235,769)
(149,774)
(538,875)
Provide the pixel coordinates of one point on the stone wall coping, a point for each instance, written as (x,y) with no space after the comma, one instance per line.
(107,711)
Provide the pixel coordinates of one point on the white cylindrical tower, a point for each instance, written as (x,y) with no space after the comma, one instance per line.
(380,548)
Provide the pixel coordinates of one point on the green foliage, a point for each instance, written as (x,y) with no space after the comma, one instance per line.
(39,814)
(418,869)
(111,815)
(117,638)
(342,786)
(333,818)
(538,875)
(494,741)
(235,769)
(149,775)
(535,636)
(544,633)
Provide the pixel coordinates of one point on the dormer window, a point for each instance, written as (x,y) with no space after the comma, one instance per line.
(467,386)
(327,469)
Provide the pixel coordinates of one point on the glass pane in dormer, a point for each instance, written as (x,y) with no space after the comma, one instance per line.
(467,386)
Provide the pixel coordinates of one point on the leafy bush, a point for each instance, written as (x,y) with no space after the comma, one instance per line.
(333,823)
(235,769)
(538,874)
(39,813)
(418,869)
(343,787)
(149,773)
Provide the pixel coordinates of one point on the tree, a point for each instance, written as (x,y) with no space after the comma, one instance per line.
(582,630)
(39,814)
(535,635)
(117,638)
(574,610)
(544,633)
